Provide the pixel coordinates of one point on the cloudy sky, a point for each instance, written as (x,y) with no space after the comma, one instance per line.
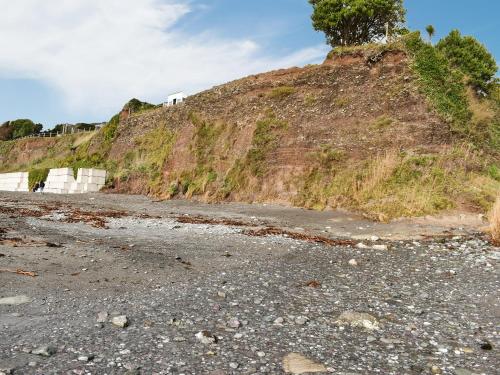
(81,60)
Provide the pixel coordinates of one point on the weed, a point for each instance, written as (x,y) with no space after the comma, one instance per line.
(281,92)
(381,123)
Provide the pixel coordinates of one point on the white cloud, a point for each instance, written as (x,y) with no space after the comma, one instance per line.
(100,53)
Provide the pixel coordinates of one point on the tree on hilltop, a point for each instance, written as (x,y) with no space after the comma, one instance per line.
(355,22)
(471,57)
(430,31)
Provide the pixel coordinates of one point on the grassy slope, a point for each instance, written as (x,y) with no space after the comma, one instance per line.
(392,184)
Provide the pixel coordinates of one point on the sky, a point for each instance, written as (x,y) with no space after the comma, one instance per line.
(67,61)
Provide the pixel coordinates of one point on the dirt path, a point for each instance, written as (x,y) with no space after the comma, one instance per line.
(262,281)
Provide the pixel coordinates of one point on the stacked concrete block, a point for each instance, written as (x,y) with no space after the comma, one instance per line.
(59,181)
(17,181)
(91,180)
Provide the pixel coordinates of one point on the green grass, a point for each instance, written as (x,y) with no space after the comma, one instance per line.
(399,185)
(37,175)
(281,92)
(443,85)
(381,123)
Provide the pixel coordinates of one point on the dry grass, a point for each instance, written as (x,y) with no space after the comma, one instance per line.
(495,222)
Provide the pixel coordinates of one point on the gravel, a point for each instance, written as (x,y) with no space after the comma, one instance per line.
(423,306)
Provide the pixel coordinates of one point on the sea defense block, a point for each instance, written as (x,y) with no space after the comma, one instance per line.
(16,181)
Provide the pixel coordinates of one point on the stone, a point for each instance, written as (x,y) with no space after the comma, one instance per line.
(463,371)
(436,370)
(353,262)
(279,321)
(102,317)
(206,338)
(234,365)
(234,323)
(86,358)
(358,320)
(221,295)
(16,300)
(120,321)
(362,246)
(261,354)
(44,351)
(486,345)
(295,363)
(301,320)
(380,247)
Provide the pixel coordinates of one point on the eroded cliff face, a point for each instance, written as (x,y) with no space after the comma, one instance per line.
(318,136)
(256,138)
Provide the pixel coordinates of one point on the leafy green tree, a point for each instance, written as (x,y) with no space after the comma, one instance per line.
(470,57)
(24,127)
(430,31)
(355,22)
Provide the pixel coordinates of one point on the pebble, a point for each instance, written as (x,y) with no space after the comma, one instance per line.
(234,365)
(120,321)
(301,320)
(234,323)
(353,262)
(16,300)
(356,319)
(102,317)
(295,363)
(86,358)
(44,351)
(279,321)
(206,338)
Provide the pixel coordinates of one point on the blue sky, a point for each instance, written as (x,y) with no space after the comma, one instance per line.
(82,60)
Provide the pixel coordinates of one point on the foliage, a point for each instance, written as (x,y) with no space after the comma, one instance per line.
(136,106)
(353,22)
(430,31)
(37,175)
(397,184)
(18,129)
(470,57)
(109,130)
(442,85)
(281,92)
(265,139)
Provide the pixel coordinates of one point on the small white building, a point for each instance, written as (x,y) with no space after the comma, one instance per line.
(175,99)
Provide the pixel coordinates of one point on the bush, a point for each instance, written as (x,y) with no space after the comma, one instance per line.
(442,85)
(281,92)
(470,57)
(37,175)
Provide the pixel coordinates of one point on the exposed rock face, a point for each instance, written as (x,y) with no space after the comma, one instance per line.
(260,137)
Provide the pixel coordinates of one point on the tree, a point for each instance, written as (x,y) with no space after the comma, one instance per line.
(472,58)
(354,22)
(24,127)
(430,31)
(6,131)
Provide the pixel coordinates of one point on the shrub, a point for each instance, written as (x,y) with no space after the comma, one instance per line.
(470,57)
(441,84)
(37,175)
(281,92)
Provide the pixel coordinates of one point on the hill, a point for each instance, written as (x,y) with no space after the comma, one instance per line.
(372,129)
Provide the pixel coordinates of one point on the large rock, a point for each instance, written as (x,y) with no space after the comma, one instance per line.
(295,363)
